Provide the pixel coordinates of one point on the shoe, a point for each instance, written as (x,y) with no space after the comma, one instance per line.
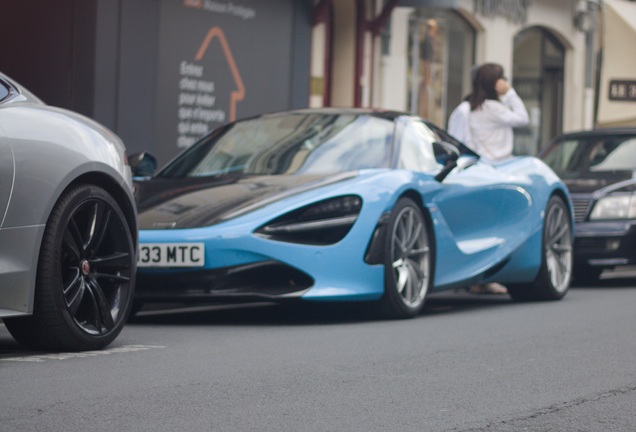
(477,289)
(489,288)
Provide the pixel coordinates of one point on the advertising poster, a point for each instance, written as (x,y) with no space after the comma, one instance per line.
(219,61)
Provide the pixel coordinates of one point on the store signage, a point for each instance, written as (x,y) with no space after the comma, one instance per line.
(622,90)
(219,61)
(515,11)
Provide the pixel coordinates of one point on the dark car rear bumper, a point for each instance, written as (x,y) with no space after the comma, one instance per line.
(605,244)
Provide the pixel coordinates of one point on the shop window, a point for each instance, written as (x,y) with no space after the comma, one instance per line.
(538,65)
(441,51)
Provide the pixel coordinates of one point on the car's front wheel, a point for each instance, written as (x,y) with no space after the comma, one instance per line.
(555,273)
(408,261)
(85,275)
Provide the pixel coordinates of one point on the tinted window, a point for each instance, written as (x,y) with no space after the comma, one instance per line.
(576,157)
(4,91)
(288,144)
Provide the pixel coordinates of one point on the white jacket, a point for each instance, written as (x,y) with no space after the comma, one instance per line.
(490,126)
(458,124)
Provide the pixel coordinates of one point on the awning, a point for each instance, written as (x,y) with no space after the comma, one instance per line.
(617,92)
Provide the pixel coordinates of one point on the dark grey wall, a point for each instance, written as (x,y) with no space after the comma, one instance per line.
(119,61)
(138,42)
(46,48)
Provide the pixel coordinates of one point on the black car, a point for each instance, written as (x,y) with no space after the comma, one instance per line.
(599,168)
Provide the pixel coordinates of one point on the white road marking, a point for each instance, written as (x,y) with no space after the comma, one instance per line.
(84,354)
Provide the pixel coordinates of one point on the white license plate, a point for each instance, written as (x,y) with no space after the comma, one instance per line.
(171,255)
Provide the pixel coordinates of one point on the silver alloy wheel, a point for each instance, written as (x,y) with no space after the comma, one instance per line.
(409,253)
(558,253)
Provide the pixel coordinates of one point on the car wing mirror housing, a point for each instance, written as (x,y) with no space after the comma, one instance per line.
(142,164)
(446,154)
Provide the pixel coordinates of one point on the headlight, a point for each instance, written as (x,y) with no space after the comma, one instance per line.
(615,207)
(321,223)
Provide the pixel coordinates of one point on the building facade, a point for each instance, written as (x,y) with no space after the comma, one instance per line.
(416,56)
(161,73)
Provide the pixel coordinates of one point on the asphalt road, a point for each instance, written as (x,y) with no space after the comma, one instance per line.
(468,363)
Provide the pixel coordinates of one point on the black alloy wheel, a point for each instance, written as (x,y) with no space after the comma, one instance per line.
(85,276)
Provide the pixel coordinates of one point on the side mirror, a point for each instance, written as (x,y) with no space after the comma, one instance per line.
(142,164)
(446,154)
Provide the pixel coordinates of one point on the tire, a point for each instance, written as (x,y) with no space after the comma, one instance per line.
(555,273)
(85,275)
(408,261)
(585,274)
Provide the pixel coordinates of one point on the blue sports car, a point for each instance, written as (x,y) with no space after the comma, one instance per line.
(347,205)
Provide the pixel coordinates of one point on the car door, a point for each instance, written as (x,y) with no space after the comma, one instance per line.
(471,212)
(470,205)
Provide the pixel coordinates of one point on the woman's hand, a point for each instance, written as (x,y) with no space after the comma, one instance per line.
(502,87)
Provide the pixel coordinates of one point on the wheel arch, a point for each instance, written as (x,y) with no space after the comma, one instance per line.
(116,191)
(417,198)
(51,323)
(542,287)
(375,250)
(563,194)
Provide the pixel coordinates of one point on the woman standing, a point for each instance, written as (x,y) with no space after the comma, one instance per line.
(495,109)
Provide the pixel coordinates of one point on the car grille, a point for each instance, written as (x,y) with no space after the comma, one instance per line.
(581,206)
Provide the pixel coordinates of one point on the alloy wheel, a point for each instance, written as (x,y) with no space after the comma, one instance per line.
(409,252)
(558,248)
(95,266)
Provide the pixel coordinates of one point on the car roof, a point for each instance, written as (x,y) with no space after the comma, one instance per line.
(600,132)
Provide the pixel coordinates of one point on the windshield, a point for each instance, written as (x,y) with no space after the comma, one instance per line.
(589,156)
(289,144)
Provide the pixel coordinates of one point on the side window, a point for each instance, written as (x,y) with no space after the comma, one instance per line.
(4,91)
(416,148)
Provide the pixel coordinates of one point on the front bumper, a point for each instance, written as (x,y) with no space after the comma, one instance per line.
(605,244)
(240,265)
(267,280)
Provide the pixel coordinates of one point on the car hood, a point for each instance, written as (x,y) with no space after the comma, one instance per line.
(202,201)
(593,182)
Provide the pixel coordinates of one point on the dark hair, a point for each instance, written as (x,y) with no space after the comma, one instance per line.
(484,84)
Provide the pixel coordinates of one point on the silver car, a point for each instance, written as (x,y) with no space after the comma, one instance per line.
(68,233)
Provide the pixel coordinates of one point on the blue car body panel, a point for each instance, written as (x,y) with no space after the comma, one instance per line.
(486,219)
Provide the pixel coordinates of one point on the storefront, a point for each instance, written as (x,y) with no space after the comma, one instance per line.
(538,71)
(420,59)
(161,73)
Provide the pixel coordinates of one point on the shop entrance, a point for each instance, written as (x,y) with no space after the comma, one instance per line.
(538,65)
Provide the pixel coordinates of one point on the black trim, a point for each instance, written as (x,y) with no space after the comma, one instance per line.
(262,280)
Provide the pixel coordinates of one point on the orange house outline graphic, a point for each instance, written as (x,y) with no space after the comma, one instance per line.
(238,94)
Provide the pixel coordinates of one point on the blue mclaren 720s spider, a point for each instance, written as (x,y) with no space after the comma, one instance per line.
(347,205)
